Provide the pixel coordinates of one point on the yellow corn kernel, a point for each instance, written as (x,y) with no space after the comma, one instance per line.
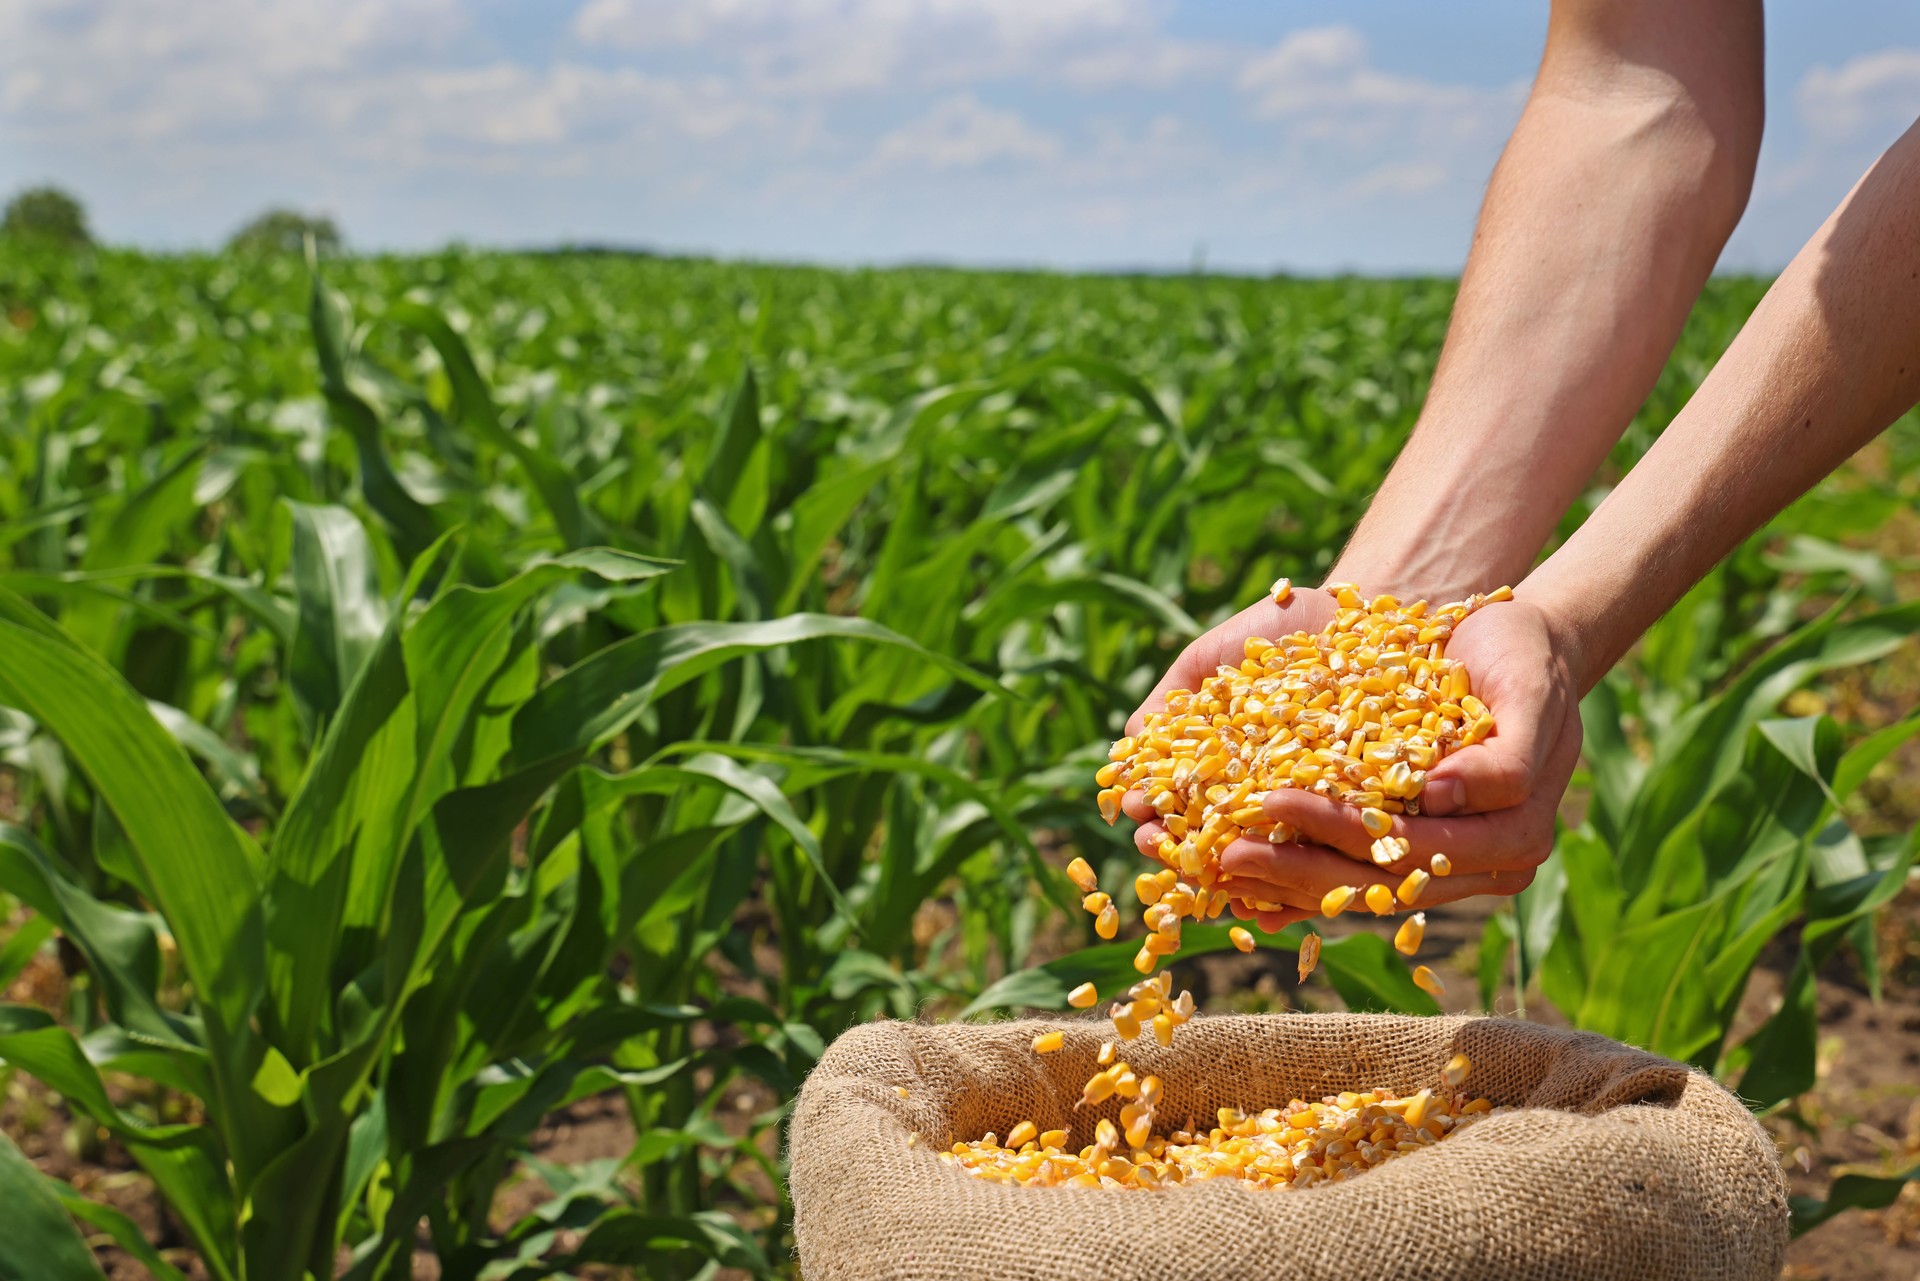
(1379,899)
(1107,924)
(1241,939)
(1109,774)
(1105,1135)
(1083,997)
(1096,902)
(1125,1024)
(1080,872)
(1109,802)
(1406,940)
(1022,1134)
(1417,1108)
(1377,822)
(1441,865)
(1147,889)
(1309,955)
(1455,1073)
(1048,1042)
(1345,596)
(1282,590)
(1108,1052)
(1413,887)
(1125,1083)
(1152,1089)
(1337,900)
(1163,1028)
(1053,1140)
(1099,1088)
(1427,981)
(1145,961)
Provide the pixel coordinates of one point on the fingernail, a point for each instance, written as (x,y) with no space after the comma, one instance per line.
(1443,796)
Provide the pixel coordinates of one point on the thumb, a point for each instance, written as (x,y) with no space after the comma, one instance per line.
(1496,773)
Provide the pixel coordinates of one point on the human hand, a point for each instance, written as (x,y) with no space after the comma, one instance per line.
(1489,806)
(1494,853)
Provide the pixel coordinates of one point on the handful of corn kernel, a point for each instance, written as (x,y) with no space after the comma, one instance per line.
(1358,711)
(1292,1147)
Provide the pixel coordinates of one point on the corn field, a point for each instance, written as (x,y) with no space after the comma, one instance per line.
(439,691)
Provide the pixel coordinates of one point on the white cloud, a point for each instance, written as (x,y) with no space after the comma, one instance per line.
(1878,91)
(1405,134)
(961,132)
(846,46)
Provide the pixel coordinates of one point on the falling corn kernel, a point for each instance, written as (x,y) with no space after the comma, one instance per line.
(1241,939)
(1096,902)
(1147,889)
(1282,590)
(1108,1052)
(1163,1028)
(1441,864)
(1337,900)
(1379,899)
(1098,1089)
(1417,1107)
(1105,1135)
(1455,1073)
(1406,939)
(1429,982)
(1107,924)
(1309,954)
(1048,1042)
(1053,1140)
(1080,872)
(1125,1025)
(1144,961)
(1083,997)
(1413,887)
(1022,1134)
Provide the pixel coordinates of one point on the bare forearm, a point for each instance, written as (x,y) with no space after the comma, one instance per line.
(1615,195)
(1829,358)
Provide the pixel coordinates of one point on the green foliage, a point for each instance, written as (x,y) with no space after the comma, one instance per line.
(467,684)
(46,216)
(286,231)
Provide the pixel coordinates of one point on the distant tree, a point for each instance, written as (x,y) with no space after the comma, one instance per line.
(285,231)
(46,214)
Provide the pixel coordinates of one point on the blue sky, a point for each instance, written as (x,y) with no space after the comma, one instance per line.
(1275,135)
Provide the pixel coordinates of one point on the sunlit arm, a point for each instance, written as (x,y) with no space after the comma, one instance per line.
(1628,170)
(1829,358)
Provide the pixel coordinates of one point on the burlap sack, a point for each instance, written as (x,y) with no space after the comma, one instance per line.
(1624,1166)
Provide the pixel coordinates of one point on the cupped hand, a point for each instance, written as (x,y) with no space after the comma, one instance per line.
(1494,853)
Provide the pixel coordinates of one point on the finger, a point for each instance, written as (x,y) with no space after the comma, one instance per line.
(1254,891)
(1147,838)
(1274,922)
(1302,875)
(1136,807)
(1336,825)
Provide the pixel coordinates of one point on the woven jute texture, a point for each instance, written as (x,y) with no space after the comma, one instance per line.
(1622,1167)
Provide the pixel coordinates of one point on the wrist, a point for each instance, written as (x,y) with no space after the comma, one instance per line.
(1571,626)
